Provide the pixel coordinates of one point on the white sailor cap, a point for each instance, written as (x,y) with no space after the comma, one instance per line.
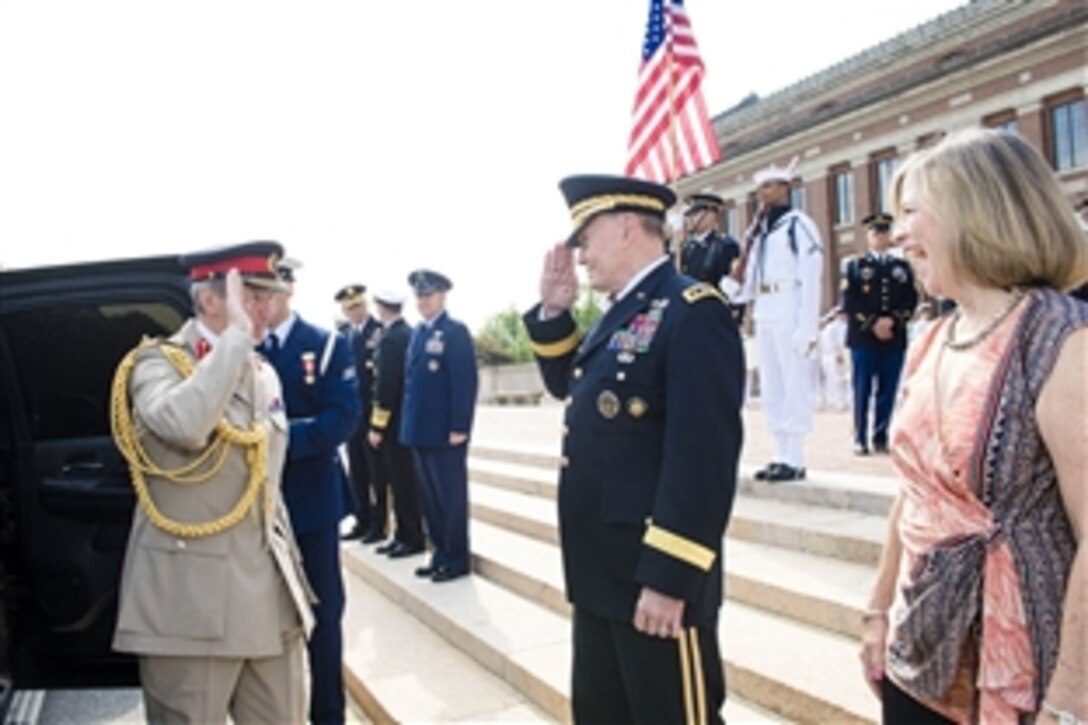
(390,297)
(775,173)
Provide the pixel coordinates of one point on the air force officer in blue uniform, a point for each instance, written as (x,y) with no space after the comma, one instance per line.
(321,396)
(439,403)
(652,433)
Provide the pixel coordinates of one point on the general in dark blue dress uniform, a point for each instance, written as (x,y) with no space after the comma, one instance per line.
(395,460)
(369,502)
(648,474)
(321,397)
(878,297)
(439,403)
(707,255)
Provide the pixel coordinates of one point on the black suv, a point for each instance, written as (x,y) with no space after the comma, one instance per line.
(65,497)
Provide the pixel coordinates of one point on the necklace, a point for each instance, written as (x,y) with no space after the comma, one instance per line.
(953,344)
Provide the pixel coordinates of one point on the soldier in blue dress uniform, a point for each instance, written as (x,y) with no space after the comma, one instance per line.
(643,498)
(878,297)
(438,407)
(371,507)
(320,392)
(707,255)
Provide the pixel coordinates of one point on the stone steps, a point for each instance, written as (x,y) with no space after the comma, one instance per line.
(398,669)
(822,591)
(469,625)
(799,559)
(526,472)
(770,660)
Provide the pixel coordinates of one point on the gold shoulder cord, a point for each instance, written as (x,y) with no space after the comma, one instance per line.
(255,442)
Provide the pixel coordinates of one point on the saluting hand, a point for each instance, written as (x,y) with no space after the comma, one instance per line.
(236,303)
(558,281)
(659,615)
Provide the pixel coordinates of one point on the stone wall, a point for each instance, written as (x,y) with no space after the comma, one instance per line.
(519,384)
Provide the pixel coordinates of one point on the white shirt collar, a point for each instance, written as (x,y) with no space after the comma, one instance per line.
(642,274)
(430,323)
(284,329)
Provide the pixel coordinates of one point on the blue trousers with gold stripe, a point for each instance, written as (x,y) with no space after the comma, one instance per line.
(623,675)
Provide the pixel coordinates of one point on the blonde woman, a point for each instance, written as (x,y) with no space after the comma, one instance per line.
(977,613)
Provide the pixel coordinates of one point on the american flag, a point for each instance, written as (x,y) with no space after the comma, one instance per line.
(671,133)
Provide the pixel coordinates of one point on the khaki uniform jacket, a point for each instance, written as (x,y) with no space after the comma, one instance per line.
(238,593)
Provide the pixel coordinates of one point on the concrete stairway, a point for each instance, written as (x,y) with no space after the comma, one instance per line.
(799,560)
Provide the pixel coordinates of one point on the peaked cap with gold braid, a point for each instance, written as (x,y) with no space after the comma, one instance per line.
(590,195)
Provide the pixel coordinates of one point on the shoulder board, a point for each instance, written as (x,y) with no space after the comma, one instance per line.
(702,291)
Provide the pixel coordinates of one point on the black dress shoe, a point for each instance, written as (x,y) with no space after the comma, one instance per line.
(860,449)
(786,473)
(387,547)
(426,571)
(444,575)
(764,474)
(881,447)
(402,550)
(372,537)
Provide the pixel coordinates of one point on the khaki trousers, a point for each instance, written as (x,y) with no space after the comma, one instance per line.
(205,689)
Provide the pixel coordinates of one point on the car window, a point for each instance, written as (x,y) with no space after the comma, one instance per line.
(65,358)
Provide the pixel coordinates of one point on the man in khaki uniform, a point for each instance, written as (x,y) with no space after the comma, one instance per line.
(213,597)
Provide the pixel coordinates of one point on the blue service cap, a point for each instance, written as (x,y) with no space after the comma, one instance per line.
(879,222)
(701,201)
(588,195)
(426,281)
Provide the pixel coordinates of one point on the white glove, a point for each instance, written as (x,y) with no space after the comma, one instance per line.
(731,288)
(804,343)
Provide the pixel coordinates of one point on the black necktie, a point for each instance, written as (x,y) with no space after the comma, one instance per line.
(272,343)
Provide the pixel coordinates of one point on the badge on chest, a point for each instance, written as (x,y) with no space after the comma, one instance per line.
(435,345)
(637,335)
(308,360)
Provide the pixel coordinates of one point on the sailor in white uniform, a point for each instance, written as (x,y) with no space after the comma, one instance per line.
(783,280)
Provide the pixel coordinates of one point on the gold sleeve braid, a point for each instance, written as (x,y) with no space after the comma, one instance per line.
(254,441)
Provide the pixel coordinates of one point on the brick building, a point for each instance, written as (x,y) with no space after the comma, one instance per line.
(1019,66)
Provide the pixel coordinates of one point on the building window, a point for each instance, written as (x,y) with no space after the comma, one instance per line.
(842,195)
(1005,121)
(883,168)
(797,195)
(1068,142)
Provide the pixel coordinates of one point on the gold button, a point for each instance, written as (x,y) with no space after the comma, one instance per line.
(577,373)
(567,401)
(564,462)
(181,544)
(566,430)
(621,375)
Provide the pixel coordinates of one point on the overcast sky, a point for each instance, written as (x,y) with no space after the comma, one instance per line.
(369,137)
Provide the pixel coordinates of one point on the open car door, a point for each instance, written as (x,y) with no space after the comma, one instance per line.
(65,497)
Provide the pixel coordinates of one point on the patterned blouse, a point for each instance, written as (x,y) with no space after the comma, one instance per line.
(987,546)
